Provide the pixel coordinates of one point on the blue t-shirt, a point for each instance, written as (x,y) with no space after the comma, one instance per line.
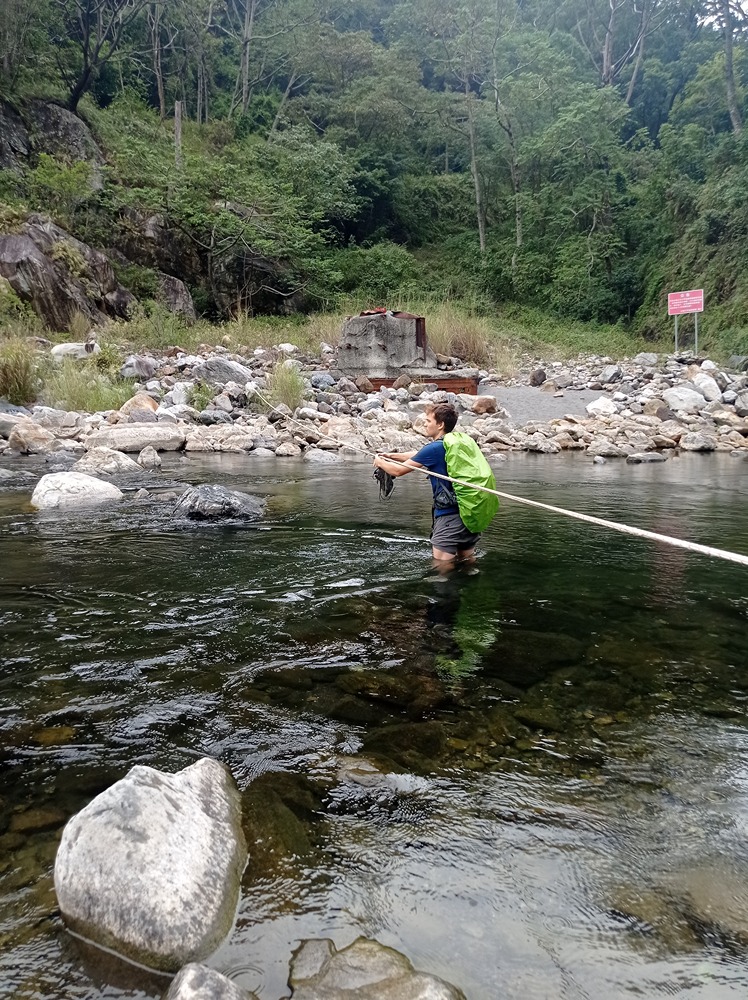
(433,457)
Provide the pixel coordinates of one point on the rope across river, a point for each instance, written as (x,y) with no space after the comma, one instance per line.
(627,529)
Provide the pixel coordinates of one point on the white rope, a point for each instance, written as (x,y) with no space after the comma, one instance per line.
(627,529)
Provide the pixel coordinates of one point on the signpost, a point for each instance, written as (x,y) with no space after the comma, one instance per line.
(679,303)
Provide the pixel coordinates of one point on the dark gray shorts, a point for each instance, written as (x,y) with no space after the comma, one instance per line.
(450,535)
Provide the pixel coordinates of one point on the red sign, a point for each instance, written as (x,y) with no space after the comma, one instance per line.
(685,302)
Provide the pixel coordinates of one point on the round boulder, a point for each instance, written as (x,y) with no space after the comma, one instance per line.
(204,503)
(72,489)
(151,867)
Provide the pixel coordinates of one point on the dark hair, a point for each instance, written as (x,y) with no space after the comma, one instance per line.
(444,414)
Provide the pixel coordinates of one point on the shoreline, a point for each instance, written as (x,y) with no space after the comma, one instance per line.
(645,409)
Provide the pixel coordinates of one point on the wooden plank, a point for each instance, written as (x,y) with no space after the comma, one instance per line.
(460,384)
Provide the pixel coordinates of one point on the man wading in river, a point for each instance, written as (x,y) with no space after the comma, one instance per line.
(450,539)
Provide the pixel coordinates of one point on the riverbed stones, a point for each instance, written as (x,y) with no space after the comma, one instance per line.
(208,503)
(151,867)
(198,982)
(365,969)
(72,489)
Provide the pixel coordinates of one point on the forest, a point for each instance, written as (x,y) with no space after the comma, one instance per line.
(579,158)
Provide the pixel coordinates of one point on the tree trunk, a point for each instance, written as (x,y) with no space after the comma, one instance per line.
(517,189)
(249,21)
(635,73)
(178,134)
(199,108)
(286,94)
(607,68)
(479,207)
(79,89)
(732,97)
(154,20)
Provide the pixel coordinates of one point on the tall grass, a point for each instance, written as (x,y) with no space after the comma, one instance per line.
(245,333)
(557,338)
(469,330)
(19,381)
(76,386)
(286,385)
(159,329)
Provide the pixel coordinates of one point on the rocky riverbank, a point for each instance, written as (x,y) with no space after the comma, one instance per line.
(640,409)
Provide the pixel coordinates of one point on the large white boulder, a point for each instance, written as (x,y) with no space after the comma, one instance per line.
(72,489)
(152,866)
(601,407)
(682,399)
(135,437)
(707,386)
(78,352)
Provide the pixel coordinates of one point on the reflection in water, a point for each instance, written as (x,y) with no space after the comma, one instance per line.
(528,779)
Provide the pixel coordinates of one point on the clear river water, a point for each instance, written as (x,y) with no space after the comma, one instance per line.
(531,779)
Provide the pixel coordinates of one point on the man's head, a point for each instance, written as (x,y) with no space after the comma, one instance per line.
(440,419)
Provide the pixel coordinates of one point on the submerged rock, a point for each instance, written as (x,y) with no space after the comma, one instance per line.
(198,982)
(713,897)
(365,969)
(72,489)
(152,867)
(203,503)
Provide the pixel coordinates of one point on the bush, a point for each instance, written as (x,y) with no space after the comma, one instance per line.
(58,187)
(141,281)
(70,257)
(12,307)
(12,218)
(157,327)
(76,386)
(201,395)
(108,360)
(286,385)
(18,378)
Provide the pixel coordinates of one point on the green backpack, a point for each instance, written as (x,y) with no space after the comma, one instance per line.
(467,462)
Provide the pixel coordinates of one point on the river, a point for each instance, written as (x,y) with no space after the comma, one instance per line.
(531,779)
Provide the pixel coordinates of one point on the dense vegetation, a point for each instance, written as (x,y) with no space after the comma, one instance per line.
(580,157)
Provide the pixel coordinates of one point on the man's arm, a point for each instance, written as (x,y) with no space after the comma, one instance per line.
(398,456)
(386,463)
